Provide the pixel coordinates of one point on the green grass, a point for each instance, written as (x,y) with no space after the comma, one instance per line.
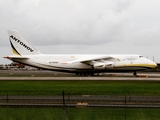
(34,113)
(148,88)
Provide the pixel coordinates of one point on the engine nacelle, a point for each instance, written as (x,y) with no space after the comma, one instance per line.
(99,66)
(103,65)
(109,65)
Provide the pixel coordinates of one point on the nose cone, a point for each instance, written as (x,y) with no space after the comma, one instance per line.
(153,64)
(149,63)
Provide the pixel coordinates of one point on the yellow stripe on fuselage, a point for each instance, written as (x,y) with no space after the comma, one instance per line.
(138,65)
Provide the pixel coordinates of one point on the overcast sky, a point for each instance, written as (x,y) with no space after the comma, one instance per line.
(83,26)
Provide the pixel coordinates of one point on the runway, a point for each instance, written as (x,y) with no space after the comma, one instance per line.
(50,75)
(81,78)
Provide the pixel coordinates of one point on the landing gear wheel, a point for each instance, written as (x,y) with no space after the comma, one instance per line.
(135,73)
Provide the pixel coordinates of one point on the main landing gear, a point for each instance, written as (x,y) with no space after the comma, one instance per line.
(85,74)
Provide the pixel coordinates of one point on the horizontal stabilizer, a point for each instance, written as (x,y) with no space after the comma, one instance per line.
(19,57)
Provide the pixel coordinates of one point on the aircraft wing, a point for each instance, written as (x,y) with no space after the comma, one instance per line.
(90,61)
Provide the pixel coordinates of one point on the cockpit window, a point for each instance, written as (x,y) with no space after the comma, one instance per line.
(140,56)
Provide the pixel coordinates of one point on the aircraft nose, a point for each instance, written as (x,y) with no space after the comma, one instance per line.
(151,64)
(154,65)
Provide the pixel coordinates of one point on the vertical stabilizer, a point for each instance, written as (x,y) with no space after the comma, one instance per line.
(19,45)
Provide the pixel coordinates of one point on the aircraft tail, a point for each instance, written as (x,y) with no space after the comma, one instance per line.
(19,45)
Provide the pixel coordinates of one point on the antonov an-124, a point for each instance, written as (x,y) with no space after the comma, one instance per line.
(80,64)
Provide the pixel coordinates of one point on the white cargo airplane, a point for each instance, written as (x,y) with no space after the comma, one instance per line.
(79,64)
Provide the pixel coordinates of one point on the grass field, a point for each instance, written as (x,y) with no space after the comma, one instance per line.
(147,88)
(79,114)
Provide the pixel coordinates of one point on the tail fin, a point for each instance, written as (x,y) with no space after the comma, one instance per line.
(19,45)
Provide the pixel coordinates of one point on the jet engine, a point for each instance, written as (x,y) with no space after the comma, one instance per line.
(103,65)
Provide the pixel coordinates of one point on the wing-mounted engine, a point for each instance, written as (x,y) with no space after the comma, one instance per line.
(103,65)
(109,64)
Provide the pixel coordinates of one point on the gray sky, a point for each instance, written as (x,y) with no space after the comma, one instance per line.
(83,26)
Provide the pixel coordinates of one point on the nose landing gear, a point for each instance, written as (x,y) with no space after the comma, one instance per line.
(135,73)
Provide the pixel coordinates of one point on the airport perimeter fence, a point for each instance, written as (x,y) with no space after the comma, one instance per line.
(79,108)
(72,113)
(77,113)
